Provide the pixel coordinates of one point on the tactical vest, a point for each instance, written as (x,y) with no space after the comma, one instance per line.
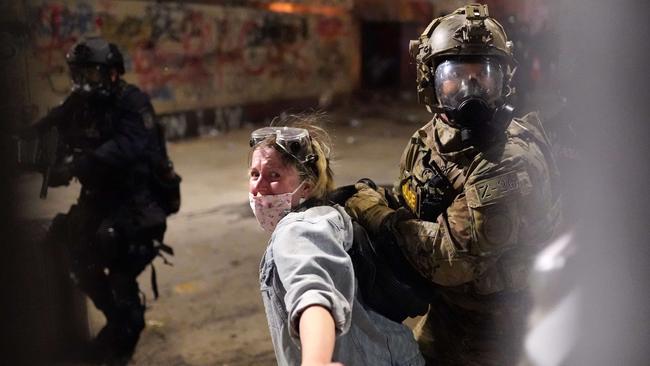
(450,253)
(478,252)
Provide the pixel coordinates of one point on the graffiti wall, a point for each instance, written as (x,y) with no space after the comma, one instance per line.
(190,56)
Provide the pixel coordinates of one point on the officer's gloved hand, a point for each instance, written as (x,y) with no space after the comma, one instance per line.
(60,175)
(368,207)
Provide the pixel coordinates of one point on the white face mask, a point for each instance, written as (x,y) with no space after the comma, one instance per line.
(270,209)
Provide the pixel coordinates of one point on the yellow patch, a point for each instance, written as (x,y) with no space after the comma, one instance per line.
(410,196)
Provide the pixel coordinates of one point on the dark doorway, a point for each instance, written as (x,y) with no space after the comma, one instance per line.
(380,55)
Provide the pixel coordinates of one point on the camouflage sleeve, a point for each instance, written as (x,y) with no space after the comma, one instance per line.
(488,227)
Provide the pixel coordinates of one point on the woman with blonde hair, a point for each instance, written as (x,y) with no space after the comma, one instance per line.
(307,279)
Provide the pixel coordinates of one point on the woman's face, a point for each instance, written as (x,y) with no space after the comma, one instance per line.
(268,175)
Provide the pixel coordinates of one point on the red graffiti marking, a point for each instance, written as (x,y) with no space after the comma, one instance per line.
(171,47)
(329,28)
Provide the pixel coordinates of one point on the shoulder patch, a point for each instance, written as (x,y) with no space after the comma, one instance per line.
(147,118)
(410,196)
(503,185)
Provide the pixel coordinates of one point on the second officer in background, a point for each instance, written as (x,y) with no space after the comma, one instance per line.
(109,140)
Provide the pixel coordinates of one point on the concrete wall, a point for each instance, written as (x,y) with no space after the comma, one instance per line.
(196,57)
(403,11)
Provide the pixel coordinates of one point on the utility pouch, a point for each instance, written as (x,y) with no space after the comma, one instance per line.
(167,187)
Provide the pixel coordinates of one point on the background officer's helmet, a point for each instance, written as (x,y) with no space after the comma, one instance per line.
(91,61)
(468,35)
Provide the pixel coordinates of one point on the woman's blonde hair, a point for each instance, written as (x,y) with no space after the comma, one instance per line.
(318,173)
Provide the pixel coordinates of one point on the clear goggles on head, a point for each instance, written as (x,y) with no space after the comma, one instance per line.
(294,141)
(458,80)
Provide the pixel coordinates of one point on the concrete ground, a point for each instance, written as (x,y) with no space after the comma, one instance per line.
(210,311)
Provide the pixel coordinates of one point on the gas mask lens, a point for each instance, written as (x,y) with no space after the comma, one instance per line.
(294,141)
(459,80)
(86,78)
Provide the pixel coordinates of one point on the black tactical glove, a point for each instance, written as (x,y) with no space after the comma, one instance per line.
(60,175)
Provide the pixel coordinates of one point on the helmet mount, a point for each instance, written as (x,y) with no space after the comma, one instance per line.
(474,31)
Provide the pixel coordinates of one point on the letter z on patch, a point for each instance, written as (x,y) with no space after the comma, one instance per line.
(498,187)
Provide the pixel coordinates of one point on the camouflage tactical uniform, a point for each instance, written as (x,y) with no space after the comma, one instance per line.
(478,252)
(479,185)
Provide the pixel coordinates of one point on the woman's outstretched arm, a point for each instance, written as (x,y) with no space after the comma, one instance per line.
(317,336)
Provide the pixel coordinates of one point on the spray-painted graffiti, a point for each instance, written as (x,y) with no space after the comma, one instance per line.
(221,120)
(56,27)
(210,121)
(198,56)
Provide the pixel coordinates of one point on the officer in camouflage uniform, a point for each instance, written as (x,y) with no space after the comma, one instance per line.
(110,142)
(476,189)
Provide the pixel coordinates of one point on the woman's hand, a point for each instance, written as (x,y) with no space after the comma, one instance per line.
(323,364)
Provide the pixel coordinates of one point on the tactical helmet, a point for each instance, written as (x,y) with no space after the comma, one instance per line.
(469,33)
(90,61)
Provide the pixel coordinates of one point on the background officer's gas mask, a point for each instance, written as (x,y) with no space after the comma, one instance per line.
(90,80)
(95,66)
(469,90)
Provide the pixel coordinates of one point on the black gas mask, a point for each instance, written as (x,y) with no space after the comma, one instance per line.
(91,80)
(95,66)
(470,91)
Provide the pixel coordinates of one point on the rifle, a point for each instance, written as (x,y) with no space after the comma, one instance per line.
(45,153)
